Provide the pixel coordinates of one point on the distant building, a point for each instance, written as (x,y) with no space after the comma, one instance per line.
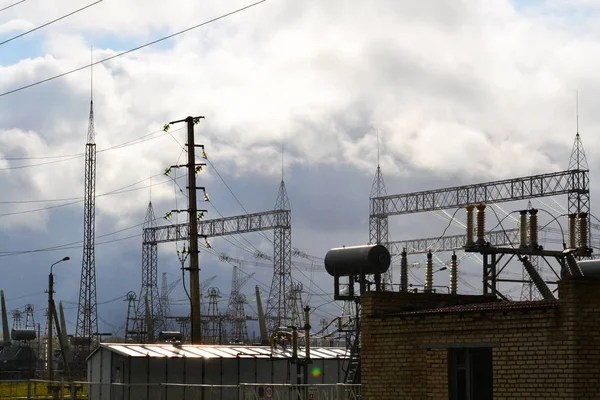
(432,346)
(141,371)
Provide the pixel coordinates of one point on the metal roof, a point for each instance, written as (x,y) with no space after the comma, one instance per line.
(162,350)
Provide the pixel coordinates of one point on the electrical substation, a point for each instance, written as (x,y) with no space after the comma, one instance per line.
(211,346)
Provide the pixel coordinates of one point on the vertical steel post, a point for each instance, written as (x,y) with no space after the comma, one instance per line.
(50,328)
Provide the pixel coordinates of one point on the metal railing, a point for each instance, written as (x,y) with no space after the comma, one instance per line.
(42,389)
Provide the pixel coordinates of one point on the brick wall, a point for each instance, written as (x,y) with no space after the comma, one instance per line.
(544,351)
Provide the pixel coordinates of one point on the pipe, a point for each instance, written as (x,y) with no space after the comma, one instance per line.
(5,330)
(572,231)
(453,274)
(403,271)
(470,227)
(523,228)
(429,272)
(533,229)
(481,224)
(583,231)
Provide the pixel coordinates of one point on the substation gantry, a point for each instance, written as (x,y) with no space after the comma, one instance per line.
(573,182)
(277,311)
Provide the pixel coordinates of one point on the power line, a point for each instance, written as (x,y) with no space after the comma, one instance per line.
(48,23)
(73,245)
(12,5)
(80,199)
(132,50)
(58,159)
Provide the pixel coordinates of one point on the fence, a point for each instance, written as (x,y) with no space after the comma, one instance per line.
(39,389)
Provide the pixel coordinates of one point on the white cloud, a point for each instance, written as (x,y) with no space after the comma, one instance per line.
(478,91)
(15,25)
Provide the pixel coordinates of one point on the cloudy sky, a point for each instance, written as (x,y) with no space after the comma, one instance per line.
(460,92)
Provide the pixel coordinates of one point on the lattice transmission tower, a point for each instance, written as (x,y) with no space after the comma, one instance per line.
(17,317)
(235,307)
(87,309)
(278,310)
(579,197)
(378,221)
(213,331)
(295,294)
(149,289)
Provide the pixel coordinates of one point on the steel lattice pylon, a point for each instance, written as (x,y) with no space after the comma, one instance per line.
(579,195)
(149,289)
(87,310)
(213,328)
(378,223)
(278,312)
(165,305)
(235,307)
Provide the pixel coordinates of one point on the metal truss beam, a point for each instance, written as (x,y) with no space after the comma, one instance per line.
(262,221)
(529,187)
(449,243)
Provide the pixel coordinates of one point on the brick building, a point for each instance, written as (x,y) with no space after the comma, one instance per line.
(435,346)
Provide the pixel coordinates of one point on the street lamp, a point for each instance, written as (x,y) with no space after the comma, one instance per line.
(50,310)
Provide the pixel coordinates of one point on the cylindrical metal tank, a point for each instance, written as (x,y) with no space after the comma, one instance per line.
(589,267)
(369,259)
(23,334)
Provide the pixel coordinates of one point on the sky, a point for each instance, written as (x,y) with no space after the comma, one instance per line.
(438,93)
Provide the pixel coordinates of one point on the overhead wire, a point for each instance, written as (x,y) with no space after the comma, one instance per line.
(49,23)
(124,189)
(68,157)
(221,215)
(12,5)
(73,245)
(132,50)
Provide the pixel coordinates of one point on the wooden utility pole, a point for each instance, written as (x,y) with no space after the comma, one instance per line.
(193,221)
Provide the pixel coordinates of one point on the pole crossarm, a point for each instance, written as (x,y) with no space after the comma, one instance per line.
(221,226)
(529,187)
(449,243)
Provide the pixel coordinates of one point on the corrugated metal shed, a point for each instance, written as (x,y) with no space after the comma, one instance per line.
(130,371)
(212,351)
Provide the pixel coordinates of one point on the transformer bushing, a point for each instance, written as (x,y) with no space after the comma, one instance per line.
(453,274)
(429,272)
(533,229)
(481,224)
(523,228)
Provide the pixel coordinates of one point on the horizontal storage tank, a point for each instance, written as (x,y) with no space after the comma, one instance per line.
(23,334)
(354,260)
(589,267)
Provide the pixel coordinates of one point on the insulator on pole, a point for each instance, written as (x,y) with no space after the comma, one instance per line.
(453,274)
(572,231)
(481,224)
(523,228)
(403,271)
(533,228)
(429,272)
(583,231)
(470,227)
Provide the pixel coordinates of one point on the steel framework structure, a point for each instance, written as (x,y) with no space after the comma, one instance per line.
(149,291)
(277,220)
(574,182)
(450,243)
(528,187)
(378,223)
(87,309)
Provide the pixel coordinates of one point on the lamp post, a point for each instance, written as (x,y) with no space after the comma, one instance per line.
(50,328)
